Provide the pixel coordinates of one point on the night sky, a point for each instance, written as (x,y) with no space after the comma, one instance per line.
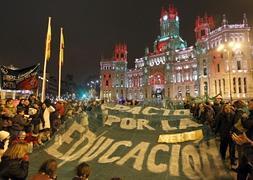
(92,27)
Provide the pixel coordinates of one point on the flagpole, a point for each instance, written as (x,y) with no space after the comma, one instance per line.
(60,62)
(47,56)
(44,81)
(59,83)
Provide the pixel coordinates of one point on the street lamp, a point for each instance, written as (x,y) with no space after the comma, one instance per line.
(231,46)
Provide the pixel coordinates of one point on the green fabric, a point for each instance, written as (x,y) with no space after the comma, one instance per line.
(196,159)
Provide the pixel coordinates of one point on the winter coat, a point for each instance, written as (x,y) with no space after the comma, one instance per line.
(14,169)
(225,123)
(19,122)
(40,176)
(36,118)
(46,118)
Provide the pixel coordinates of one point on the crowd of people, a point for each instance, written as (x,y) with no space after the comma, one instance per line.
(233,124)
(27,123)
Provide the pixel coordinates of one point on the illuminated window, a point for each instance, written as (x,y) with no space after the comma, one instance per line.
(220,86)
(205,71)
(238,65)
(240,85)
(245,85)
(215,84)
(205,87)
(224,85)
(234,84)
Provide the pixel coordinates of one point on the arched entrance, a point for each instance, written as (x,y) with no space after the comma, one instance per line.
(157,81)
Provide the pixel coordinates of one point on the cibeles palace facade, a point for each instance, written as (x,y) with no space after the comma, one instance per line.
(221,62)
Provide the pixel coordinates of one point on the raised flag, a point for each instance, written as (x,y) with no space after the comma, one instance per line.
(48,41)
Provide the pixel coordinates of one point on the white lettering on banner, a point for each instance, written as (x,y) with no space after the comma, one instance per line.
(128,123)
(174,160)
(186,123)
(141,123)
(151,165)
(112,119)
(135,110)
(138,153)
(166,112)
(106,157)
(96,150)
(166,126)
(191,163)
(211,150)
(67,138)
(146,110)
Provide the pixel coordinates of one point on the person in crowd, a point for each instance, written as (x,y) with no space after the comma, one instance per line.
(206,115)
(9,108)
(21,103)
(225,124)
(36,118)
(84,121)
(244,137)
(6,123)
(83,172)
(47,171)
(45,125)
(26,106)
(217,106)
(4,141)
(15,162)
(19,122)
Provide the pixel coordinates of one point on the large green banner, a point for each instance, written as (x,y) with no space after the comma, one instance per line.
(136,143)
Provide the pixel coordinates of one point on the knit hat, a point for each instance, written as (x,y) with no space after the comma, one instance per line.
(4,135)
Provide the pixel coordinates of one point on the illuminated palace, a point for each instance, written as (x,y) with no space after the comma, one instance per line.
(220,63)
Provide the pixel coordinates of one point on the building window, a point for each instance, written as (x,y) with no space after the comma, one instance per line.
(215,84)
(224,85)
(239,65)
(245,85)
(195,75)
(220,86)
(234,84)
(178,77)
(240,85)
(109,75)
(218,67)
(205,87)
(204,62)
(107,83)
(205,71)
(104,76)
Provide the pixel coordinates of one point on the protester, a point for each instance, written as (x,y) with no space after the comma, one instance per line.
(45,131)
(15,162)
(4,142)
(244,137)
(225,124)
(47,171)
(83,171)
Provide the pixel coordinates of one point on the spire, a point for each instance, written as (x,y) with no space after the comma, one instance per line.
(245,20)
(172,12)
(224,20)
